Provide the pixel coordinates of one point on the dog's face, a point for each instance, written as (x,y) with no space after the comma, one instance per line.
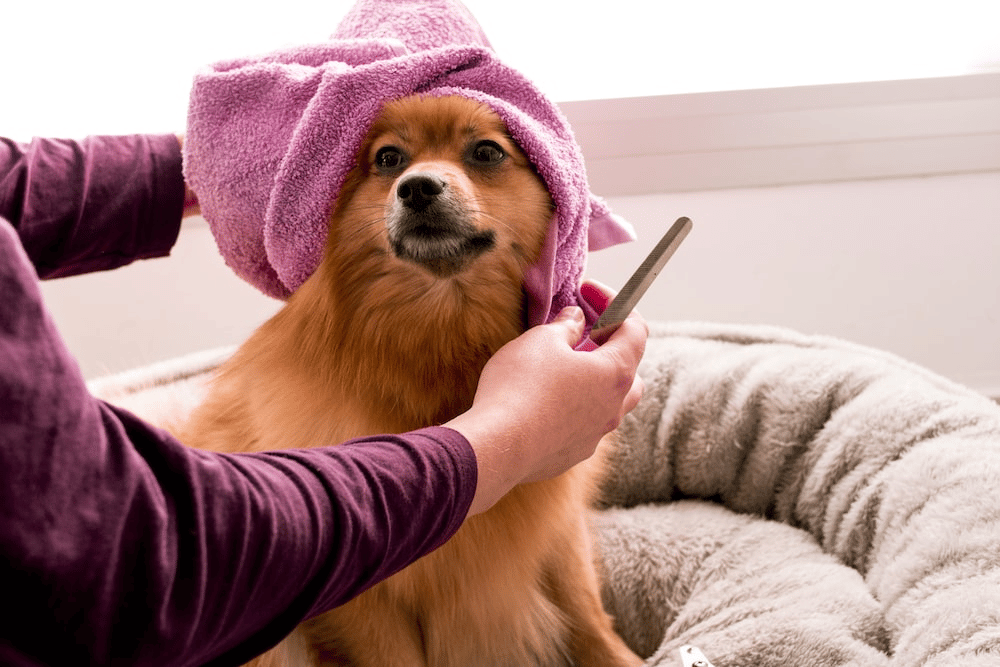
(443,188)
(428,246)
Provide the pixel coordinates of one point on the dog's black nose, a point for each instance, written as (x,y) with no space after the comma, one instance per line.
(417,191)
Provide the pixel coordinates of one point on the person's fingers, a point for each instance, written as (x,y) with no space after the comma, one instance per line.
(628,343)
(572,320)
(634,395)
(596,294)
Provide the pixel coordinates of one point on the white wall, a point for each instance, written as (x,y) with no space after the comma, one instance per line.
(907,265)
(156,309)
(120,66)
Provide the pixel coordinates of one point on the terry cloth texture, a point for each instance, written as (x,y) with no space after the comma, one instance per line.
(270,140)
(781,499)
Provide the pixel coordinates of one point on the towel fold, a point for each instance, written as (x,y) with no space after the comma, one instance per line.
(271,139)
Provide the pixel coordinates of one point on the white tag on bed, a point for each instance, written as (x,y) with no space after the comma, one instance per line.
(693,657)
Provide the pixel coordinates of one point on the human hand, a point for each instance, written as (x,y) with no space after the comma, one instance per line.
(541,407)
(191,205)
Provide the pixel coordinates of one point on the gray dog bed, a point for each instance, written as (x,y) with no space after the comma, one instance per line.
(778,499)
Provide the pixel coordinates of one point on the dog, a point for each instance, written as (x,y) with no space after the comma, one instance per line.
(421,282)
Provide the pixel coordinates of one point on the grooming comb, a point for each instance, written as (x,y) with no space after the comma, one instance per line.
(629,296)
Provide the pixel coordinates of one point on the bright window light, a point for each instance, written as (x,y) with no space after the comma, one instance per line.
(115,66)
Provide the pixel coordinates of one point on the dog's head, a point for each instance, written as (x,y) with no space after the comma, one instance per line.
(442,193)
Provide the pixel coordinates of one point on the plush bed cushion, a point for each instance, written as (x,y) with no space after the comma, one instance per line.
(777,499)
(847,506)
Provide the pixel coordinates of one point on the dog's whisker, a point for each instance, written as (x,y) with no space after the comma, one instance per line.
(361,232)
(363,236)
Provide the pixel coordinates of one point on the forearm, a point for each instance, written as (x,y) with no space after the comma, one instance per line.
(136,549)
(95,204)
(181,557)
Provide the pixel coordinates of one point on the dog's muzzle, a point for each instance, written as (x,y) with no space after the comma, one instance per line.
(431,225)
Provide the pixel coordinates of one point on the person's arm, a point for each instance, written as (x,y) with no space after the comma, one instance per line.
(95,204)
(134,549)
(130,548)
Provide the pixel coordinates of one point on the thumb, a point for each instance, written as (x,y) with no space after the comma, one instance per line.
(572,320)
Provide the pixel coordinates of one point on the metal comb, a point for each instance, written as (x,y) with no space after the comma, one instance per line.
(629,296)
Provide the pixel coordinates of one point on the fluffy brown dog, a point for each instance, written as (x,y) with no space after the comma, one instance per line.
(420,284)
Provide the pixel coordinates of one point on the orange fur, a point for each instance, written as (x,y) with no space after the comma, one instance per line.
(375,342)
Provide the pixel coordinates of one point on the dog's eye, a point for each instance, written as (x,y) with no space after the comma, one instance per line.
(488,153)
(389,158)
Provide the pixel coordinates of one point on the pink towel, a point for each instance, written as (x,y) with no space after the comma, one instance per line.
(270,140)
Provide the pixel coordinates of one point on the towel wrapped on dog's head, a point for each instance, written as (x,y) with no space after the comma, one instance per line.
(271,139)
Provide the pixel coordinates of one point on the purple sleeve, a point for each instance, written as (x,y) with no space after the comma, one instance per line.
(128,548)
(95,204)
